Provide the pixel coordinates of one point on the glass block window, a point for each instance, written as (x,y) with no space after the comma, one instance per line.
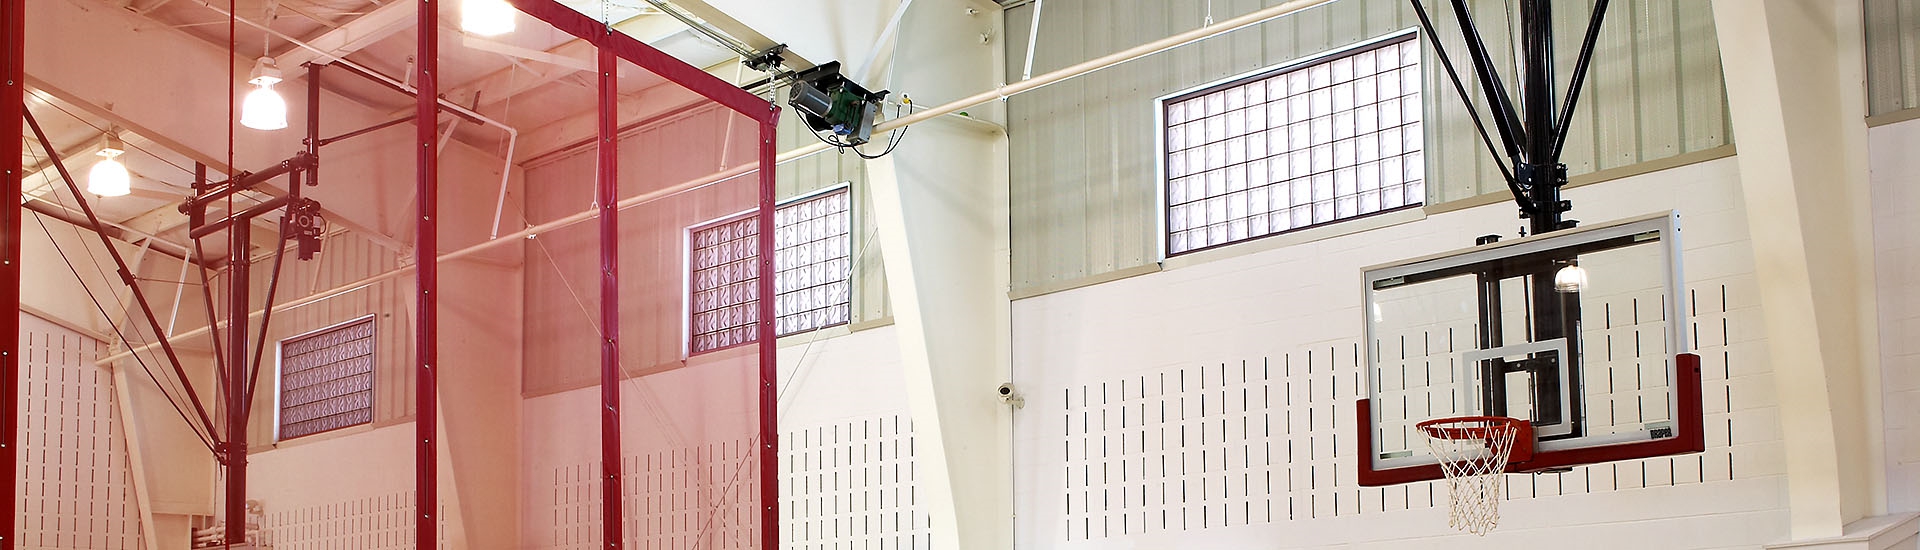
(326,380)
(811,254)
(1311,143)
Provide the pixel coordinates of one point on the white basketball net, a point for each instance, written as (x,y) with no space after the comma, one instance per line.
(1473,455)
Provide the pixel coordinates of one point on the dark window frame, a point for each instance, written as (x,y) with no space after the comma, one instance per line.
(1413,189)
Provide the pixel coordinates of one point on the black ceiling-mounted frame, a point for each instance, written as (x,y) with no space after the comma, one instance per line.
(1533,134)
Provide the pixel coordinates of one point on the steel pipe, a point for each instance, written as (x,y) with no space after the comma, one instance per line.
(445,105)
(366,130)
(246,180)
(234,457)
(245,217)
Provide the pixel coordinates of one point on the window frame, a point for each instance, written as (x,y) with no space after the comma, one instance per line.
(1161,105)
(686,265)
(279,376)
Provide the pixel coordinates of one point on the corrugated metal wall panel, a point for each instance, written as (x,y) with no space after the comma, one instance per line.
(562,285)
(1704,119)
(1893,55)
(1085,181)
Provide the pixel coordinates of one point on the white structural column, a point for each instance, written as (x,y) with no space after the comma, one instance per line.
(1795,86)
(940,203)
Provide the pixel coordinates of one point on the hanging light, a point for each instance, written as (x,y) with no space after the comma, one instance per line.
(263,109)
(486,17)
(109,178)
(1571,278)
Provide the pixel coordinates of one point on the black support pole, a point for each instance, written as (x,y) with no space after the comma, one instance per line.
(1542,171)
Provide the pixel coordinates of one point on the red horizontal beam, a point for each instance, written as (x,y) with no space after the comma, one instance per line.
(647,57)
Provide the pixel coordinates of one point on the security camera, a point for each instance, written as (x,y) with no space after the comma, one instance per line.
(1010,396)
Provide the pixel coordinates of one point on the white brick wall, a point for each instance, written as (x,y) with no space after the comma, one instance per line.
(1084,480)
(1896,234)
(75,475)
(849,477)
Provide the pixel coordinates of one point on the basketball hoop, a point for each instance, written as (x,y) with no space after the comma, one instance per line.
(1473,453)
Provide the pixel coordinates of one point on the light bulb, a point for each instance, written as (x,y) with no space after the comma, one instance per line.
(1571,278)
(109,178)
(486,17)
(263,109)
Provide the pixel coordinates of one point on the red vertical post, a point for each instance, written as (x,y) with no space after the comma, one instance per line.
(13,104)
(239,279)
(605,195)
(425,249)
(769,358)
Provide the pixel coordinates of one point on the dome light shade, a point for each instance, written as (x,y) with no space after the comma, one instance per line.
(1571,278)
(486,17)
(263,109)
(109,178)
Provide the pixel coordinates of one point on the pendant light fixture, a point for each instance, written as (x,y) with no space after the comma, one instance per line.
(486,17)
(1571,278)
(264,109)
(109,178)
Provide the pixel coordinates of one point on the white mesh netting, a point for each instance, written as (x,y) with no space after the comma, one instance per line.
(1473,454)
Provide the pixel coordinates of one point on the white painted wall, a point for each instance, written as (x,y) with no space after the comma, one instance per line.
(1289,319)
(73,461)
(842,414)
(1896,232)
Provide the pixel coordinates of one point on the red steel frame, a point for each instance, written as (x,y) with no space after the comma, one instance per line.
(611,47)
(1689,423)
(13,105)
(426,252)
(606,193)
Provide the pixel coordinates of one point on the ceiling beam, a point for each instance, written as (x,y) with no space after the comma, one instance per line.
(188,106)
(38,86)
(350,37)
(530,54)
(505,84)
(740,31)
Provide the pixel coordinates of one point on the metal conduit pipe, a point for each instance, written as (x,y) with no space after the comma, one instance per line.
(1033,38)
(1010,90)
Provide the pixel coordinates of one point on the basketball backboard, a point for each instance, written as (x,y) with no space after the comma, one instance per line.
(1579,332)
